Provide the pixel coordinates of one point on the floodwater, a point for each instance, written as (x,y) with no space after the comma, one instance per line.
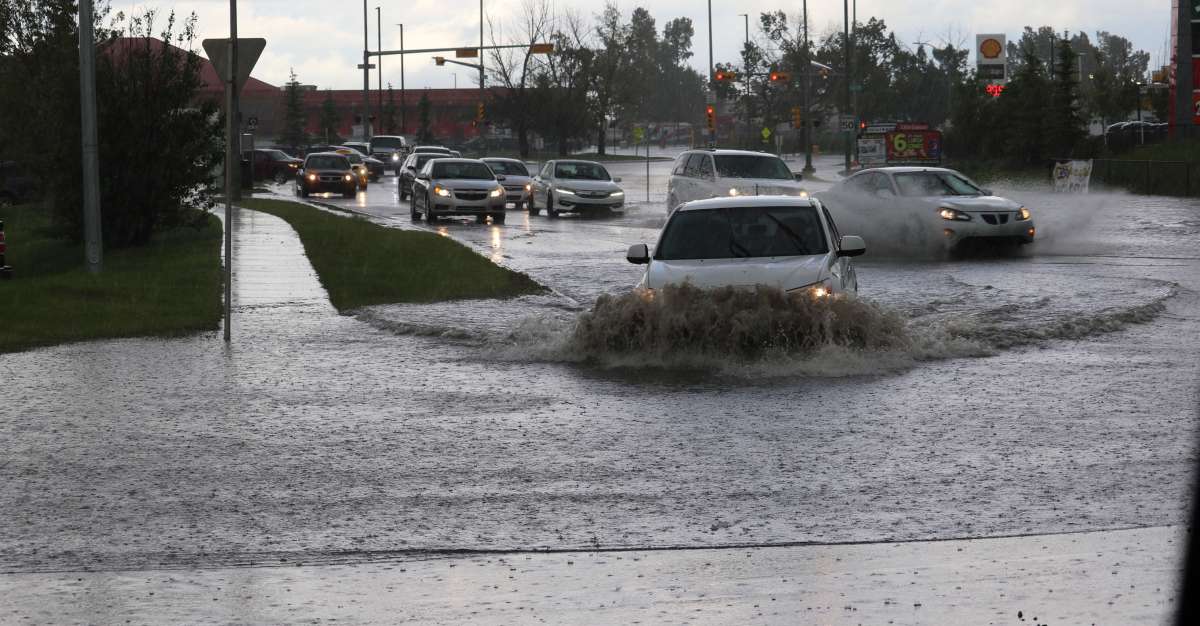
(1044,392)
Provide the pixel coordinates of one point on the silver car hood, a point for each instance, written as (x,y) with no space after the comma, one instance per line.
(513,181)
(781,272)
(976,203)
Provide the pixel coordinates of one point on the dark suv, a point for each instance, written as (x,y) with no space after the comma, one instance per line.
(273,165)
(326,171)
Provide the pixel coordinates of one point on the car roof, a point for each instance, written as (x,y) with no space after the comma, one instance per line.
(728,152)
(904,169)
(747,201)
(427,148)
(457,160)
(559,161)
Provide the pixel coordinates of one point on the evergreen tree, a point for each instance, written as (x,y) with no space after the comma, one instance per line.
(293,135)
(329,119)
(424,114)
(1024,105)
(1064,124)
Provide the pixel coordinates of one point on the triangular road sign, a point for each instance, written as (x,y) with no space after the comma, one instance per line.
(248,53)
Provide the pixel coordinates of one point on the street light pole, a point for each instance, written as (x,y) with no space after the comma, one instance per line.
(403,104)
(482,124)
(232,165)
(848,77)
(366,117)
(93,244)
(806,122)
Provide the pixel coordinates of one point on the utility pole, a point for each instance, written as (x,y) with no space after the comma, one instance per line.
(849,77)
(853,91)
(747,69)
(807,123)
(366,117)
(93,243)
(712,133)
(379,60)
(403,104)
(235,106)
(482,123)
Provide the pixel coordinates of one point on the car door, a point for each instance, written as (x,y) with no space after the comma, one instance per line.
(842,270)
(542,182)
(705,181)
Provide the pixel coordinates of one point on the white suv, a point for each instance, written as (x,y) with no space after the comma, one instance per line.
(702,174)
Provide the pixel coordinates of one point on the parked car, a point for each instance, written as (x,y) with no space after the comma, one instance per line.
(700,174)
(270,164)
(576,186)
(326,171)
(408,172)
(17,184)
(516,179)
(779,241)
(447,186)
(920,205)
(389,149)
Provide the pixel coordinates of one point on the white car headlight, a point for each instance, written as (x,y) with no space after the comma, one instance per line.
(528,186)
(1023,214)
(442,191)
(349,177)
(395,156)
(617,193)
(569,192)
(497,192)
(953,215)
(734,192)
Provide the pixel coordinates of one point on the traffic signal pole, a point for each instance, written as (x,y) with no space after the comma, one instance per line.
(366,68)
(848,77)
(806,123)
(93,244)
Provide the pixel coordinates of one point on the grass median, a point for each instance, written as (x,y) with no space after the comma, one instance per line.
(170,287)
(360,263)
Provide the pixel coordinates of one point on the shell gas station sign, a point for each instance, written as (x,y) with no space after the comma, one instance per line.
(991,58)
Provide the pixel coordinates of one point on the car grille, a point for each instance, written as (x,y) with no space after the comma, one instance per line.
(470,195)
(995,218)
(331,179)
(514,188)
(593,194)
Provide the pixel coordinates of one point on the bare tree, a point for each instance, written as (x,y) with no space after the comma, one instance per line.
(515,69)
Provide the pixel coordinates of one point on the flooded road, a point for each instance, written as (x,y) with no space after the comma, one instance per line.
(1052,391)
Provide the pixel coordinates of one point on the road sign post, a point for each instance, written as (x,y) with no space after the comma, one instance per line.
(232,59)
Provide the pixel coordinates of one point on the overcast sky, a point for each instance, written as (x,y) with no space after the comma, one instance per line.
(322,39)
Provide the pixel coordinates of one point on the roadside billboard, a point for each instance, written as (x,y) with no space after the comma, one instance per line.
(913,146)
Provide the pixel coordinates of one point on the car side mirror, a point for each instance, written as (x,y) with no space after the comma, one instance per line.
(852,245)
(423,176)
(617,179)
(986,192)
(501,177)
(798,175)
(638,254)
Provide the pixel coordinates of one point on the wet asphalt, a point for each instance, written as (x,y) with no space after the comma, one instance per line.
(321,438)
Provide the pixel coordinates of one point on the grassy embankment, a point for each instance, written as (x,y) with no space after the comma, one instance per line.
(168,288)
(361,263)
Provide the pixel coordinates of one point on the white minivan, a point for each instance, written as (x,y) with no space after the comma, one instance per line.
(701,174)
(788,243)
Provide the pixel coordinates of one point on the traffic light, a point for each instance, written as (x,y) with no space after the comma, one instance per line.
(710,116)
(723,76)
(479,112)
(797,117)
(780,77)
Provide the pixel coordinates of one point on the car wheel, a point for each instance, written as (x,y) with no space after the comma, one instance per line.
(280,178)
(551,212)
(518,206)
(429,214)
(497,218)
(481,219)
(533,210)
(303,191)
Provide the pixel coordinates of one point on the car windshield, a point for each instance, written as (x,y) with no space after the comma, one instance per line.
(735,232)
(387,143)
(278,155)
(508,168)
(462,170)
(749,166)
(922,184)
(328,162)
(361,149)
(580,171)
(422,159)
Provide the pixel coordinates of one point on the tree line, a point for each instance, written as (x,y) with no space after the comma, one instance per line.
(158,147)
